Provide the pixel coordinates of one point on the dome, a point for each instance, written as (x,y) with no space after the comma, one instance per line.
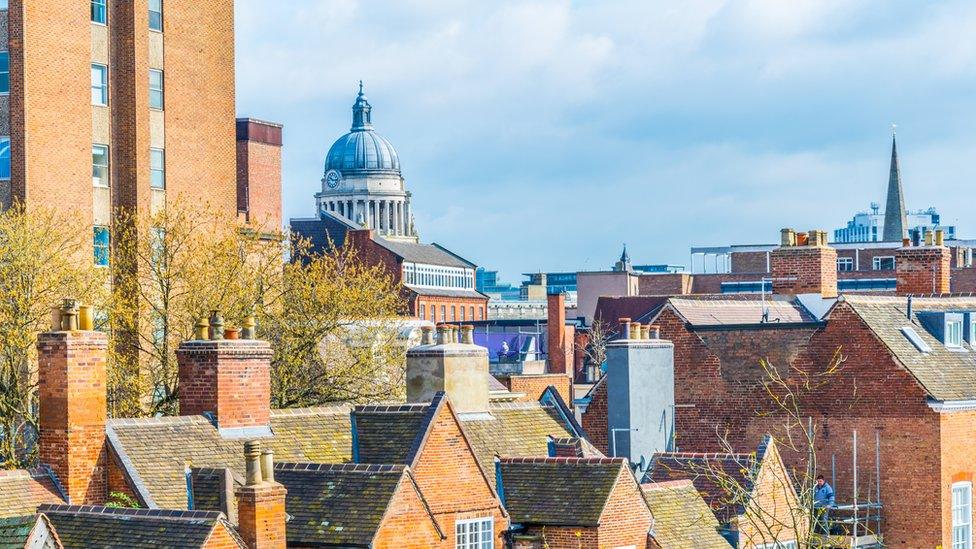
(362,150)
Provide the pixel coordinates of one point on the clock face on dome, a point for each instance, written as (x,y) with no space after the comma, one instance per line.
(333,178)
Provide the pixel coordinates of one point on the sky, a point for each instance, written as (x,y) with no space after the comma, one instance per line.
(545,135)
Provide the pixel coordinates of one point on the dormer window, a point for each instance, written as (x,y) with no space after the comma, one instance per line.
(953,333)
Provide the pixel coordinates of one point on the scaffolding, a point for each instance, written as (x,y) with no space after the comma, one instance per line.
(857,524)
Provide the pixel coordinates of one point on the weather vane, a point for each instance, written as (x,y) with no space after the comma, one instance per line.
(893,127)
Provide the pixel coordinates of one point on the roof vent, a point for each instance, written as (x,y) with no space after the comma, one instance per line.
(916,340)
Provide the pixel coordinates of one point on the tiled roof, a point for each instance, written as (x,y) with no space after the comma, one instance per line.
(610,309)
(558,491)
(15,532)
(386,434)
(517,430)
(322,233)
(430,254)
(724,480)
(22,491)
(208,485)
(338,505)
(681,517)
(945,374)
(95,526)
(723,310)
(155,451)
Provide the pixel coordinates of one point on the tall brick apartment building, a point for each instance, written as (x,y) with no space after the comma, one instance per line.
(899,370)
(122,105)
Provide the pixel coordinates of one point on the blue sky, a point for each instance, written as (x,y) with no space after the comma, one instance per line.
(543,135)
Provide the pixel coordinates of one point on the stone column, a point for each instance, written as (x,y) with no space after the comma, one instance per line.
(399,210)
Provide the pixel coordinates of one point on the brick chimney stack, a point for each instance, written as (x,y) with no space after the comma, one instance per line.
(804,264)
(229,379)
(560,337)
(261,501)
(458,369)
(72,394)
(923,269)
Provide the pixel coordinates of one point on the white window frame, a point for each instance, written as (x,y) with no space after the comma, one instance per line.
(953,333)
(845,264)
(160,169)
(462,533)
(105,181)
(104,7)
(6,73)
(157,90)
(160,12)
(962,515)
(876,262)
(101,86)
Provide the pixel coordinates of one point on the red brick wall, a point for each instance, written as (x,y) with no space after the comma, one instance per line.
(964,279)
(922,270)
(534,385)
(664,284)
(259,173)
(712,283)
(869,393)
(595,420)
(221,538)
(813,267)
(452,481)
(958,461)
(556,346)
(407,524)
(71,390)
(626,519)
(117,481)
(231,378)
(478,305)
(564,537)
(749,262)
(261,515)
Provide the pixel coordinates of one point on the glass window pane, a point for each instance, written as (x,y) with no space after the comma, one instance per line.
(99,13)
(102,246)
(100,165)
(156,89)
(4,72)
(99,84)
(4,158)
(157,168)
(156,15)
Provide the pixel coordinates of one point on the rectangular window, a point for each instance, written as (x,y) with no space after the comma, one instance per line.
(453,313)
(481,313)
(156,15)
(472,312)
(962,515)
(953,333)
(423,311)
(443,313)
(99,13)
(156,89)
(845,263)
(884,263)
(101,242)
(475,534)
(462,313)
(100,165)
(4,72)
(157,168)
(4,158)
(99,84)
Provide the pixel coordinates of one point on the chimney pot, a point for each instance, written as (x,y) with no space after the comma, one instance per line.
(216,325)
(69,315)
(906,242)
(939,237)
(467,334)
(928,238)
(635,331)
(267,465)
(86,318)
(249,329)
(427,335)
(252,465)
(645,331)
(654,332)
(787,237)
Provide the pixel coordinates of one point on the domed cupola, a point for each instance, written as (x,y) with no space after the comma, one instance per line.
(362,150)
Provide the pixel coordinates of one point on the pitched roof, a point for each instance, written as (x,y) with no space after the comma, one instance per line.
(96,526)
(339,505)
(23,490)
(154,451)
(322,233)
(386,434)
(16,532)
(610,309)
(441,292)
(721,310)
(724,480)
(681,517)
(558,491)
(945,374)
(430,254)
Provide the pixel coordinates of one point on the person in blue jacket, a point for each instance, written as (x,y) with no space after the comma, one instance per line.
(823,500)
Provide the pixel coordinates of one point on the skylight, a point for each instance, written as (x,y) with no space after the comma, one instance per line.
(916,340)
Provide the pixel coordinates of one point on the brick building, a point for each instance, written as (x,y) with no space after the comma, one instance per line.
(114,106)
(894,370)
(542,495)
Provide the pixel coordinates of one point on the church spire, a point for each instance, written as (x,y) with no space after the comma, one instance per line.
(895,222)
(361,119)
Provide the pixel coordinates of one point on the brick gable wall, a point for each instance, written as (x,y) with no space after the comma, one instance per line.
(534,385)
(407,525)
(595,421)
(774,513)
(958,461)
(452,482)
(221,538)
(626,519)
(870,393)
